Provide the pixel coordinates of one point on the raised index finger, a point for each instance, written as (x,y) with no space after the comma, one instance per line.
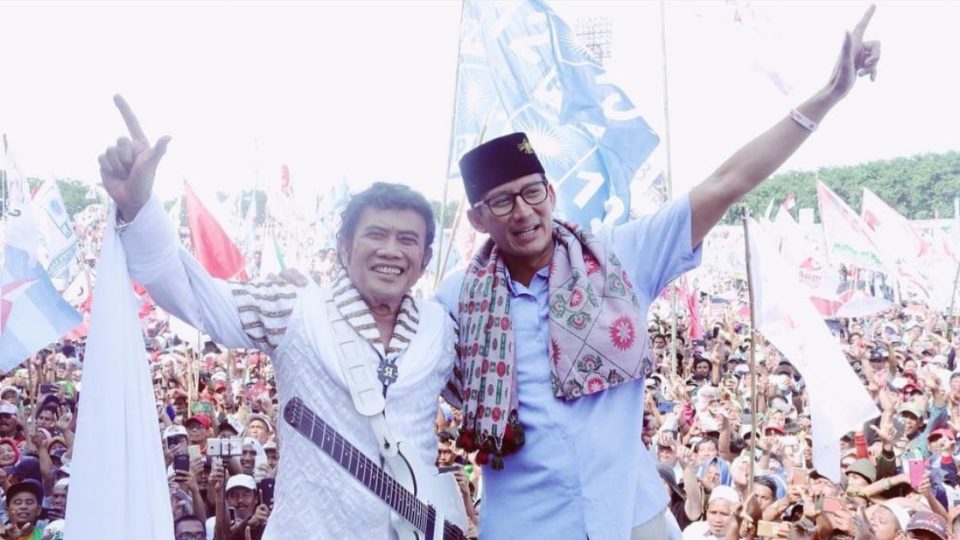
(861,26)
(133,125)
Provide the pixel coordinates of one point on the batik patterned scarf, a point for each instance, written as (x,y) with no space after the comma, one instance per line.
(595,341)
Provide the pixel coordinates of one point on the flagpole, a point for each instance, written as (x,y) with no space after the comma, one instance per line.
(953,297)
(753,355)
(453,131)
(668,171)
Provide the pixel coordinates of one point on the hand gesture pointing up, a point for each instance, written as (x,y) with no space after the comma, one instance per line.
(128,168)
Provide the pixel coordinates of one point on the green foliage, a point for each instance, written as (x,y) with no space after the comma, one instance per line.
(916,186)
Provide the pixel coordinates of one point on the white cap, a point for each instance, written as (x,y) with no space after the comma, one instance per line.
(270,446)
(899,512)
(8,388)
(8,408)
(241,480)
(263,418)
(172,431)
(234,424)
(63,482)
(725,493)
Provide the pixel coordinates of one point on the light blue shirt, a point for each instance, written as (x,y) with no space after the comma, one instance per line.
(583,470)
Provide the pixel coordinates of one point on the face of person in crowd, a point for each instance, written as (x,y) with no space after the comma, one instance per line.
(387,255)
(707,450)
(180,406)
(203,478)
(659,342)
(884,524)
(177,444)
(189,529)
(8,424)
(955,385)
(525,234)
(702,370)
(719,513)
(248,459)
(60,372)
(76,375)
(445,455)
(910,423)
(711,477)
(8,456)
(776,419)
(58,498)
(243,500)
(765,496)
(666,455)
(272,458)
(23,508)
(823,486)
(258,430)
(47,420)
(910,364)
(197,432)
(856,481)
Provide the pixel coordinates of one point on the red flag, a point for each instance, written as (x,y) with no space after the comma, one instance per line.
(211,245)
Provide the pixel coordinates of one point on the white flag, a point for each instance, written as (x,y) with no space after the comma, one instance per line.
(59,239)
(119,482)
(787,318)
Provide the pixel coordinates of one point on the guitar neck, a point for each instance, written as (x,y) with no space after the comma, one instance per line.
(365,470)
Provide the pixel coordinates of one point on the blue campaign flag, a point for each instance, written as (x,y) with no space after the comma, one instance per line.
(32,312)
(523,69)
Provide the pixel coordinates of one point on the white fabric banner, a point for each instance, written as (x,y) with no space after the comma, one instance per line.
(118,485)
(787,318)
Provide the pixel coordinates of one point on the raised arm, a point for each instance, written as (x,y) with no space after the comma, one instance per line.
(244,315)
(756,161)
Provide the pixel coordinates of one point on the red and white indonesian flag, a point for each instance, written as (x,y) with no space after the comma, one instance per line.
(787,318)
(903,245)
(847,236)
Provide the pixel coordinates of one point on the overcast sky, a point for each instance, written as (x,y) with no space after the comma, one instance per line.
(364,90)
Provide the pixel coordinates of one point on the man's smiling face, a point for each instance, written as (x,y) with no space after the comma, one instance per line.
(387,254)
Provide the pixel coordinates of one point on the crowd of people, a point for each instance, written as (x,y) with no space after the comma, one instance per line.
(899,478)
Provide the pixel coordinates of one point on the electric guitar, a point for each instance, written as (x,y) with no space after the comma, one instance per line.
(426,505)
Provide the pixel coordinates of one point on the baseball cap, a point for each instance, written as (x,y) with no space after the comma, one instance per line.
(31,485)
(203,419)
(865,468)
(942,432)
(745,430)
(270,446)
(910,408)
(232,423)
(10,388)
(929,522)
(8,408)
(174,431)
(241,481)
(27,468)
(899,512)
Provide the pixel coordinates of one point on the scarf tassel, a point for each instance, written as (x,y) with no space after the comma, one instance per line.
(491,451)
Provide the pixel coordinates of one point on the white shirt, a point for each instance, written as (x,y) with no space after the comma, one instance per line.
(315,497)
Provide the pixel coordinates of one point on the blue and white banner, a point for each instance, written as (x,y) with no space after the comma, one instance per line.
(522,68)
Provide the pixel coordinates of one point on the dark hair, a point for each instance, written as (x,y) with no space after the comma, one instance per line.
(706,439)
(385,196)
(189,517)
(445,437)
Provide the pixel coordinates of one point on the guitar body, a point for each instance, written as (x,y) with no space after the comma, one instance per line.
(428,485)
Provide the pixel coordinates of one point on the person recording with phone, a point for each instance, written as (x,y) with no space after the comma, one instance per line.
(239,505)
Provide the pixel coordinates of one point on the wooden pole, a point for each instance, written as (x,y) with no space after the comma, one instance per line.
(753,347)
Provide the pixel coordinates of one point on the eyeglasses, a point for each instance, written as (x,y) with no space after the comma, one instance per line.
(503,203)
(191,536)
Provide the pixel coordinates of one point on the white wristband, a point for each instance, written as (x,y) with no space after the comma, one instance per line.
(804,122)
